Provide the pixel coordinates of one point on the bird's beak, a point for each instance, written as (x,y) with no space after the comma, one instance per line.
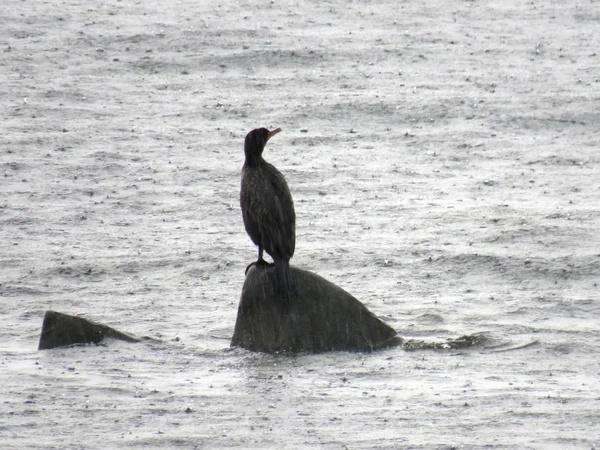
(273,133)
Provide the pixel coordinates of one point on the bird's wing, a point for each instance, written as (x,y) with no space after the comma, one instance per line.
(267,203)
(259,201)
(286,217)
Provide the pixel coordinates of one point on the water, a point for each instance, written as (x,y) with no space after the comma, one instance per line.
(443,161)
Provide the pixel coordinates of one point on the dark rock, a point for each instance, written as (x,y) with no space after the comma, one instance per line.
(320,317)
(60,330)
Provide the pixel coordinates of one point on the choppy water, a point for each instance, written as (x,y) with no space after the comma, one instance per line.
(444,163)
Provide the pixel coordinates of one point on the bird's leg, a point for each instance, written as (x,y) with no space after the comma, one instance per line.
(260,260)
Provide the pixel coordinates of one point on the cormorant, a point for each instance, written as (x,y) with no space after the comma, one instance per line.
(268,209)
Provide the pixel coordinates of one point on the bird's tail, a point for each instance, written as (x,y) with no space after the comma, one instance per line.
(285,281)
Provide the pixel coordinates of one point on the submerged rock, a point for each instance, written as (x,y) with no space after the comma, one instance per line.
(465,341)
(60,330)
(320,317)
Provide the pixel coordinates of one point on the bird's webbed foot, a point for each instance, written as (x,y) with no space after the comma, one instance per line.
(259,262)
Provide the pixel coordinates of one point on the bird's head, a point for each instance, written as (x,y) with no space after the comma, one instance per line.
(256,141)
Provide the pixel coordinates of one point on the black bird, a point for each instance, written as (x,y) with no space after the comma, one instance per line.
(268,209)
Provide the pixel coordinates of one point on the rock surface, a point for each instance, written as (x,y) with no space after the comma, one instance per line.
(61,330)
(322,317)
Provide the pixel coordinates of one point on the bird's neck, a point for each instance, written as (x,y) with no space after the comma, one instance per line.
(253,160)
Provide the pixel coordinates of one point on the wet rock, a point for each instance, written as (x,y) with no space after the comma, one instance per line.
(60,330)
(321,317)
(462,342)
